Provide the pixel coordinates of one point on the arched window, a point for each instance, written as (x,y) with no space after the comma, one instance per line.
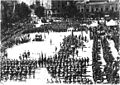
(58,4)
(112,9)
(106,9)
(82,10)
(92,10)
(87,10)
(116,8)
(97,10)
(58,11)
(101,9)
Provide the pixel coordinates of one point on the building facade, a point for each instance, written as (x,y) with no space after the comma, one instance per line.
(58,7)
(101,7)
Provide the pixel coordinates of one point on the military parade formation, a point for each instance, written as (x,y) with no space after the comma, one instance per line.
(18,70)
(74,48)
(68,69)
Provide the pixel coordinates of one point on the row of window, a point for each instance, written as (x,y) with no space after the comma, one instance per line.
(99,9)
(58,4)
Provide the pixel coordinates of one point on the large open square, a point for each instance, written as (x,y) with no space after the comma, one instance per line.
(60,42)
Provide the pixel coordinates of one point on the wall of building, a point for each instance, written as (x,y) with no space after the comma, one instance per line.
(98,7)
(58,6)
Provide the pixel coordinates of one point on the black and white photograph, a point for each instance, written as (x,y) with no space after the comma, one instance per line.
(59,42)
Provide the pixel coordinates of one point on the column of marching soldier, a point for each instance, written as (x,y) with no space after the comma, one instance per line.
(112,66)
(14,69)
(96,57)
(70,70)
(18,70)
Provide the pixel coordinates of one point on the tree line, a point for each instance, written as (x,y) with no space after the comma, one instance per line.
(13,12)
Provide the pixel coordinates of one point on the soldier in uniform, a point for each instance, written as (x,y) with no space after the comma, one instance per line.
(44,61)
(39,61)
(2,74)
(87,60)
(11,73)
(30,68)
(55,48)
(85,38)
(77,53)
(28,53)
(25,72)
(33,72)
(6,55)
(50,41)
(20,73)
(17,72)
(25,55)
(14,74)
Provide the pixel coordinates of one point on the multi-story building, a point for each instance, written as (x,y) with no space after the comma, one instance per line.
(58,7)
(98,6)
(45,3)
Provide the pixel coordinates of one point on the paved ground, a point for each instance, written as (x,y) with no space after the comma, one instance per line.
(37,47)
(46,48)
